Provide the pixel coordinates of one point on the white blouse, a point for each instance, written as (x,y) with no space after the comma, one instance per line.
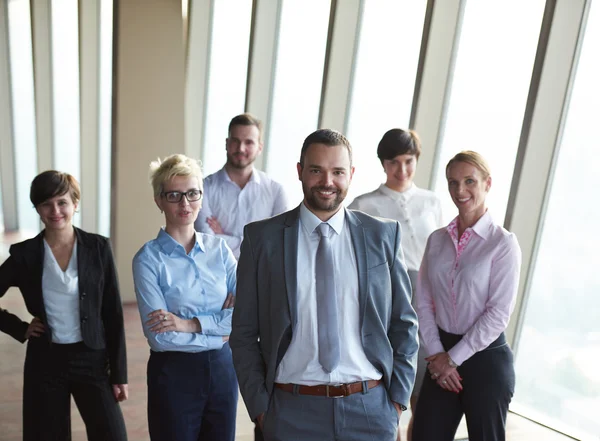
(419,212)
(60,291)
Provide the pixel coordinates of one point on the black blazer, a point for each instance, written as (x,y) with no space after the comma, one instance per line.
(100,306)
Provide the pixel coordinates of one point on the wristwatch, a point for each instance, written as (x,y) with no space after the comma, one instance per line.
(451,362)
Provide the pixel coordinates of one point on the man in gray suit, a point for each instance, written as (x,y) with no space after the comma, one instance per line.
(324,337)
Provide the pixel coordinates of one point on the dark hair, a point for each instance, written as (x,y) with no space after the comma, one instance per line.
(52,183)
(328,137)
(399,142)
(246,119)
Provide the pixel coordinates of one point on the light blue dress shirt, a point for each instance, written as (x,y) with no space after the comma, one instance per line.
(300,364)
(187,285)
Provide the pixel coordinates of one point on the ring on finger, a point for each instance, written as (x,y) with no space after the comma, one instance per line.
(444,382)
(164,318)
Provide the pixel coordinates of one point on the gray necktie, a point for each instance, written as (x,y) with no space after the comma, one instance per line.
(327,313)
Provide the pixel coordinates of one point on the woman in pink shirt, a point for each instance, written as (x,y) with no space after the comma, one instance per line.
(465,294)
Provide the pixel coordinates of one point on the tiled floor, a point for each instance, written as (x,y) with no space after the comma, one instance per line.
(11,371)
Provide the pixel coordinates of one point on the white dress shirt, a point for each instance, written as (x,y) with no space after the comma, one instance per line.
(234,207)
(419,212)
(60,290)
(300,364)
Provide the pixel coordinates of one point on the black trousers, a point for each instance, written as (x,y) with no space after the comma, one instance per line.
(53,373)
(488,386)
(192,396)
(258,435)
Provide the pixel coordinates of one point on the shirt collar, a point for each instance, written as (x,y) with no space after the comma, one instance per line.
(398,195)
(310,222)
(481,227)
(169,245)
(254,177)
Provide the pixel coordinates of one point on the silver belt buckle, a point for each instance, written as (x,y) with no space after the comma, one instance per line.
(327,386)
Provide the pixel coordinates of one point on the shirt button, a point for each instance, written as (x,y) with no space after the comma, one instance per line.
(83,295)
(83,320)
(203,291)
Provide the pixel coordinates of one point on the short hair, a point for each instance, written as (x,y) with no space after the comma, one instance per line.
(399,142)
(53,183)
(246,119)
(164,170)
(473,158)
(328,137)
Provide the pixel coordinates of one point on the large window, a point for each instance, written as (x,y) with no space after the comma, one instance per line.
(65,87)
(23,105)
(559,348)
(489,89)
(1,210)
(297,90)
(105,116)
(229,44)
(384,82)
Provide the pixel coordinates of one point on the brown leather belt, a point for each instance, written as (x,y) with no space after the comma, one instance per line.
(326,390)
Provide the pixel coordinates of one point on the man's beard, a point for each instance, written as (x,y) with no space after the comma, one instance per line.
(241,161)
(313,201)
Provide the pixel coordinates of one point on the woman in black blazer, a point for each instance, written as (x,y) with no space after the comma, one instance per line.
(76,340)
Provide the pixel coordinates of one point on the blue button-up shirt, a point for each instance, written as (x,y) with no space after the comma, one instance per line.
(187,285)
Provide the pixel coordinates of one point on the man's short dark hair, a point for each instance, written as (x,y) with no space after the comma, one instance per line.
(246,119)
(399,142)
(327,137)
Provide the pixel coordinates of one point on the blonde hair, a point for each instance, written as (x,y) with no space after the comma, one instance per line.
(164,170)
(473,158)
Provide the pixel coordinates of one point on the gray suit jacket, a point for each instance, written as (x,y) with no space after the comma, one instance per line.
(266,306)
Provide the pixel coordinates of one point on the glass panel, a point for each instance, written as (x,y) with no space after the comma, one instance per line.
(489,92)
(1,210)
(297,89)
(105,116)
(384,82)
(23,103)
(65,92)
(226,92)
(559,348)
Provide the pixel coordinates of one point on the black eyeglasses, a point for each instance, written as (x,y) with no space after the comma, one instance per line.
(176,196)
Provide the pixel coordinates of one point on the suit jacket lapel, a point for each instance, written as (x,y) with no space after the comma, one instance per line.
(357,233)
(85,263)
(290,260)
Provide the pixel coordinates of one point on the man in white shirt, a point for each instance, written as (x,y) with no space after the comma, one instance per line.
(238,193)
(324,337)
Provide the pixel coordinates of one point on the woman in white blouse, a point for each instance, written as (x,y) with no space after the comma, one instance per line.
(76,340)
(465,294)
(418,211)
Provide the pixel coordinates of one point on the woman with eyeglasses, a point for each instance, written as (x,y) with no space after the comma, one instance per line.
(185,285)
(76,339)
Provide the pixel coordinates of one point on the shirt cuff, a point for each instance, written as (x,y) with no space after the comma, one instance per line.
(214,342)
(208,325)
(460,352)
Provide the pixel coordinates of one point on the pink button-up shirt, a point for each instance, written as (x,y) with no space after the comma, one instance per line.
(467,286)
